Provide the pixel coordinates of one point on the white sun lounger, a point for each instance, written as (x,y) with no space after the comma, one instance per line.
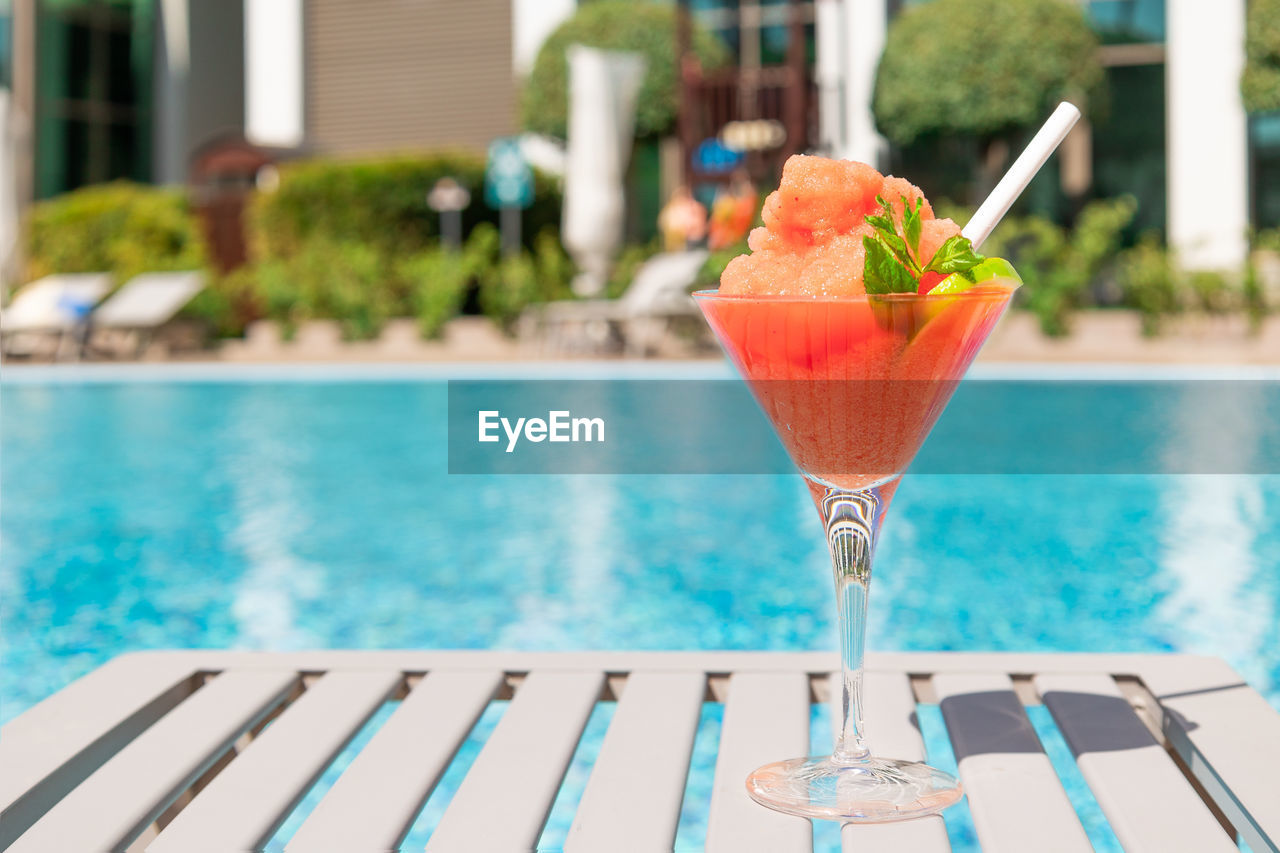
(641,317)
(169,751)
(49,309)
(146,303)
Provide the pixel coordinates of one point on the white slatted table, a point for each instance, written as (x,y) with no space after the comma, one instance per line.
(210,751)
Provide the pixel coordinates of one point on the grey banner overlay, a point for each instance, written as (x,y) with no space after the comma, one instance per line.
(626,426)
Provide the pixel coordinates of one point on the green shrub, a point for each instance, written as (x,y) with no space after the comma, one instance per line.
(646,28)
(380,203)
(555,269)
(1267,239)
(437,280)
(227,303)
(1058,267)
(509,284)
(1213,292)
(348,282)
(928,84)
(1260,82)
(1255,298)
(1148,282)
(121,228)
(507,289)
(355,241)
(1153,284)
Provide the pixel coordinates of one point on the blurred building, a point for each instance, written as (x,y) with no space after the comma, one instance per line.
(1176,135)
(765,105)
(144,89)
(140,88)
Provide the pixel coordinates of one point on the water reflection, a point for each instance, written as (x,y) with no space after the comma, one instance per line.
(1217,602)
(270,518)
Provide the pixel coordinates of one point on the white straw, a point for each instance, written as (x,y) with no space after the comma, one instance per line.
(1030,161)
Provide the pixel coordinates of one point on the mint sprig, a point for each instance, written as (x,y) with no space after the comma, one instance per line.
(883,272)
(891,265)
(955,255)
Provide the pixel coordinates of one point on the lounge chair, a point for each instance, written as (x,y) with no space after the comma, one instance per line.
(170,751)
(638,321)
(143,305)
(52,309)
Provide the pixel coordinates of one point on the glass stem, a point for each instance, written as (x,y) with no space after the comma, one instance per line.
(852,520)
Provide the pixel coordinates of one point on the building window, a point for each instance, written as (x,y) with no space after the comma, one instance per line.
(1127,21)
(1129,144)
(1264,144)
(6,46)
(93,60)
(757,32)
(1129,155)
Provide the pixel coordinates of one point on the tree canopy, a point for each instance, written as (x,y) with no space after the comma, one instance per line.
(981,67)
(1260,83)
(646,28)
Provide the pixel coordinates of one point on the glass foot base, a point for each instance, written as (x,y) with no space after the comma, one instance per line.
(871,791)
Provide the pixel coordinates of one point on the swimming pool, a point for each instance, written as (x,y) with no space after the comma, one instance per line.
(152,509)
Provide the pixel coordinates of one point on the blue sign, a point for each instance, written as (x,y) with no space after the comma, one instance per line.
(714,157)
(508,180)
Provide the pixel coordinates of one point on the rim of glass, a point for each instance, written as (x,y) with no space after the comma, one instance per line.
(977,292)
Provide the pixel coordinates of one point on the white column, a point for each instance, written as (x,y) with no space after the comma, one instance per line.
(828,73)
(531,22)
(864,26)
(172,74)
(1206,136)
(273,72)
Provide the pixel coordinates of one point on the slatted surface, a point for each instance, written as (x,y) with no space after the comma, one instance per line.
(766,718)
(375,801)
(632,800)
(180,752)
(264,783)
(1149,803)
(1014,792)
(506,797)
(891,721)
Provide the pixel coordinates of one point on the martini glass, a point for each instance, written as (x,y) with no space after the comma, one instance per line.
(853,385)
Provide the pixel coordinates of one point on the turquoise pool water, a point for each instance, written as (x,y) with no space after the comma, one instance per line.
(276,514)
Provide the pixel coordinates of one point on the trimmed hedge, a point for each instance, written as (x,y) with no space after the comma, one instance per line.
(121,228)
(645,28)
(379,202)
(354,240)
(1003,74)
(1260,82)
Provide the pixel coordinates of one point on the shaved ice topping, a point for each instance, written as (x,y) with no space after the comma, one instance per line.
(822,221)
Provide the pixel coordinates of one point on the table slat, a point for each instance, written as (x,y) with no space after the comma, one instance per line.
(376,800)
(508,793)
(244,804)
(54,745)
(632,799)
(766,719)
(1148,802)
(1229,736)
(123,797)
(894,732)
(1015,796)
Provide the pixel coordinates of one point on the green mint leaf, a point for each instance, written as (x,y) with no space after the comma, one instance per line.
(882,221)
(898,246)
(955,255)
(911,225)
(887,231)
(883,272)
(883,224)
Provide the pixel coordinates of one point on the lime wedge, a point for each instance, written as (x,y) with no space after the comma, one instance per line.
(991,268)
